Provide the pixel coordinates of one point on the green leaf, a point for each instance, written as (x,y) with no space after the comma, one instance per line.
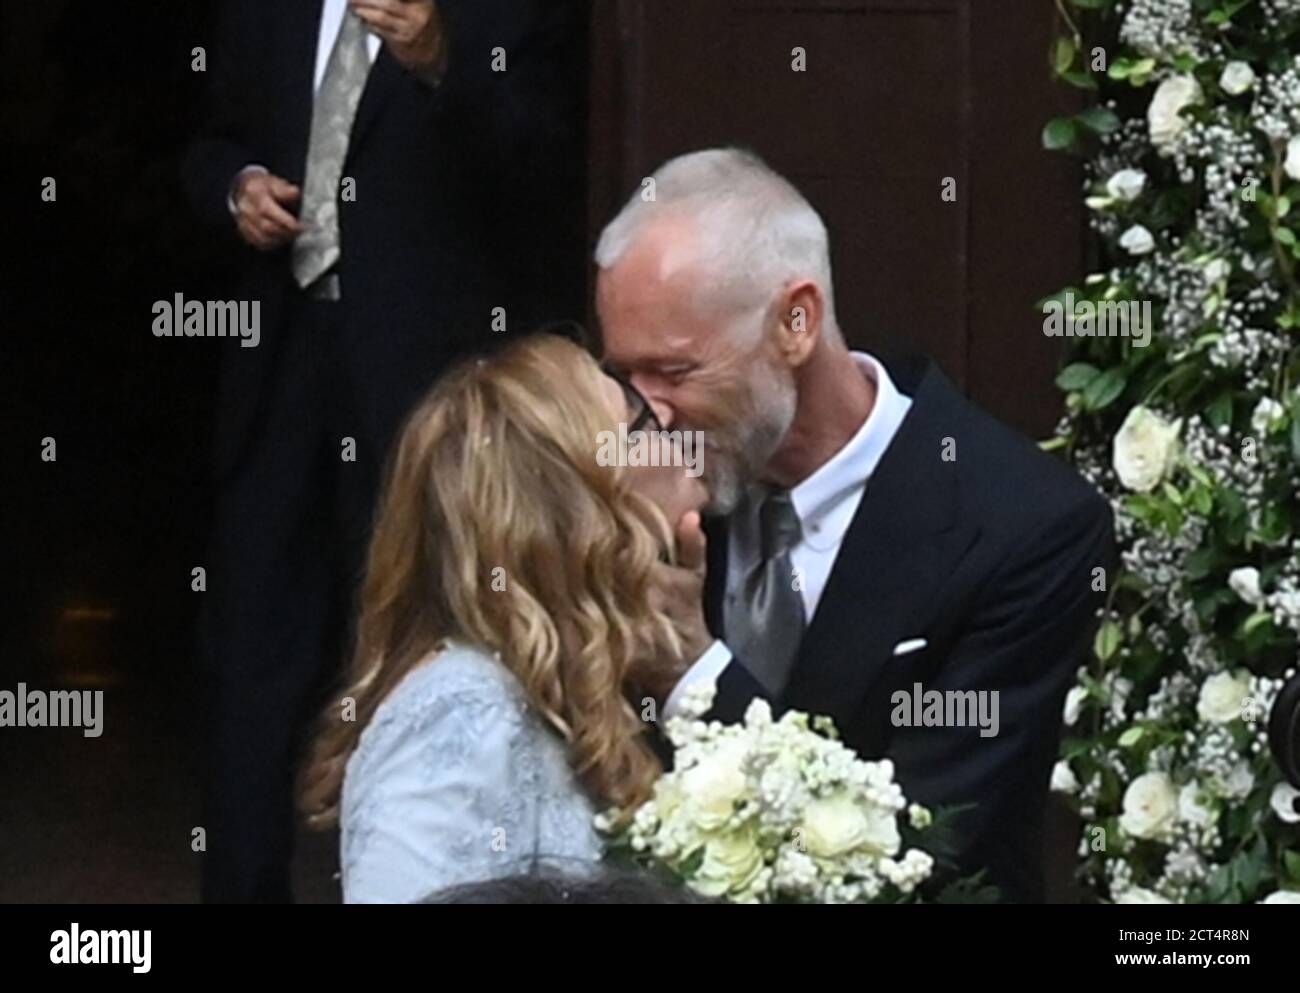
(1099,119)
(1131,737)
(1082,80)
(1255,620)
(1059,133)
(1291,862)
(1063,54)
(1282,206)
(1104,390)
(1200,562)
(1285,235)
(1220,410)
(1077,376)
(1109,637)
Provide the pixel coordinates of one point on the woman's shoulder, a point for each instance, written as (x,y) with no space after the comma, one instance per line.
(458,680)
(457,669)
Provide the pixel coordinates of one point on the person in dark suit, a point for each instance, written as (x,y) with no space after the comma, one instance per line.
(875,542)
(394,171)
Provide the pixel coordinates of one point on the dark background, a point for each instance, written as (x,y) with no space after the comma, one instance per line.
(96,548)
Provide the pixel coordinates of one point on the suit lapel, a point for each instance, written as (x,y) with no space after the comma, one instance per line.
(904,540)
(383,79)
(299,35)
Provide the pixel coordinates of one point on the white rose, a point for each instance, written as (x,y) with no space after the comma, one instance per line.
(1136,894)
(1245,583)
(1221,696)
(1164,120)
(1292,164)
(731,861)
(1137,240)
(1192,807)
(1063,778)
(1127,184)
(1282,896)
(1267,414)
(840,823)
(1144,449)
(1150,806)
(1283,801)
(1237,78)
(714,785)
(1073,701)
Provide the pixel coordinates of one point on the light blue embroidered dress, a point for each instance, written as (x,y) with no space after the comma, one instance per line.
(456,779)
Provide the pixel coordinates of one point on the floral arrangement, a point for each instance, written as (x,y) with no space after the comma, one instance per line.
(772,811)
(1192,150)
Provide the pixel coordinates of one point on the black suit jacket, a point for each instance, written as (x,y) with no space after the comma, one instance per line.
(463,191)
(989,558)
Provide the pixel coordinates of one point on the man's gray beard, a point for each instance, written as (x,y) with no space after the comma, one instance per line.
(753,449)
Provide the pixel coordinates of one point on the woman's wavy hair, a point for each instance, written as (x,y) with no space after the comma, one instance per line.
(498,527)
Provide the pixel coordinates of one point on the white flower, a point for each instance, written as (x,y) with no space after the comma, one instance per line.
(1239,783)
(1222,695)
(919,817)
(1150,806)
(841,823)
(1282,896)
(1073,701)
(1192,807)
(715,784)
(1164,120)
(1063,778)
(1136,894)
(1244,581)
(1127,184)
(1137,240)
(1144,449)
(1218,270)
(1268,414)
(1283,801)
(731,861)
(1237,78)
(1292,164)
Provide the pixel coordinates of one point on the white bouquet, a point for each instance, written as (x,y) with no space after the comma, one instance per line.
(773,811)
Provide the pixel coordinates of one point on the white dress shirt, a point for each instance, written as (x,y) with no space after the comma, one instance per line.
(825,503)
(331,21)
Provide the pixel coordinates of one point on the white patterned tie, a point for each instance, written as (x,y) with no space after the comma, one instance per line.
(317,249)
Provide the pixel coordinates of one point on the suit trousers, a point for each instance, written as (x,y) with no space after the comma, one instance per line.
(291,523)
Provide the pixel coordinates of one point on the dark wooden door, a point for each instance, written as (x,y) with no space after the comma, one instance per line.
(897,96)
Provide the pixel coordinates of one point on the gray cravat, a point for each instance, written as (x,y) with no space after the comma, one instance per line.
(317,248)
(765,623)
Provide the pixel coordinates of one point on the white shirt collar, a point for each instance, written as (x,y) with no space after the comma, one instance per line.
(825,500)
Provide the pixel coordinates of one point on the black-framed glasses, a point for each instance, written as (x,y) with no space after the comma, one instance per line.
(643,414)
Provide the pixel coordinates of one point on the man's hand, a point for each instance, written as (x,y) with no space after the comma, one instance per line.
(411,29)
(261,201)
(679,593)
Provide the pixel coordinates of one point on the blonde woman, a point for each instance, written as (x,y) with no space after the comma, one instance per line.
(508,597)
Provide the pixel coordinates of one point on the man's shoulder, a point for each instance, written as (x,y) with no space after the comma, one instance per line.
(1005,478)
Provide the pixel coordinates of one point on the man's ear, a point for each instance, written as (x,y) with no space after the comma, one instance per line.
(802,309)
